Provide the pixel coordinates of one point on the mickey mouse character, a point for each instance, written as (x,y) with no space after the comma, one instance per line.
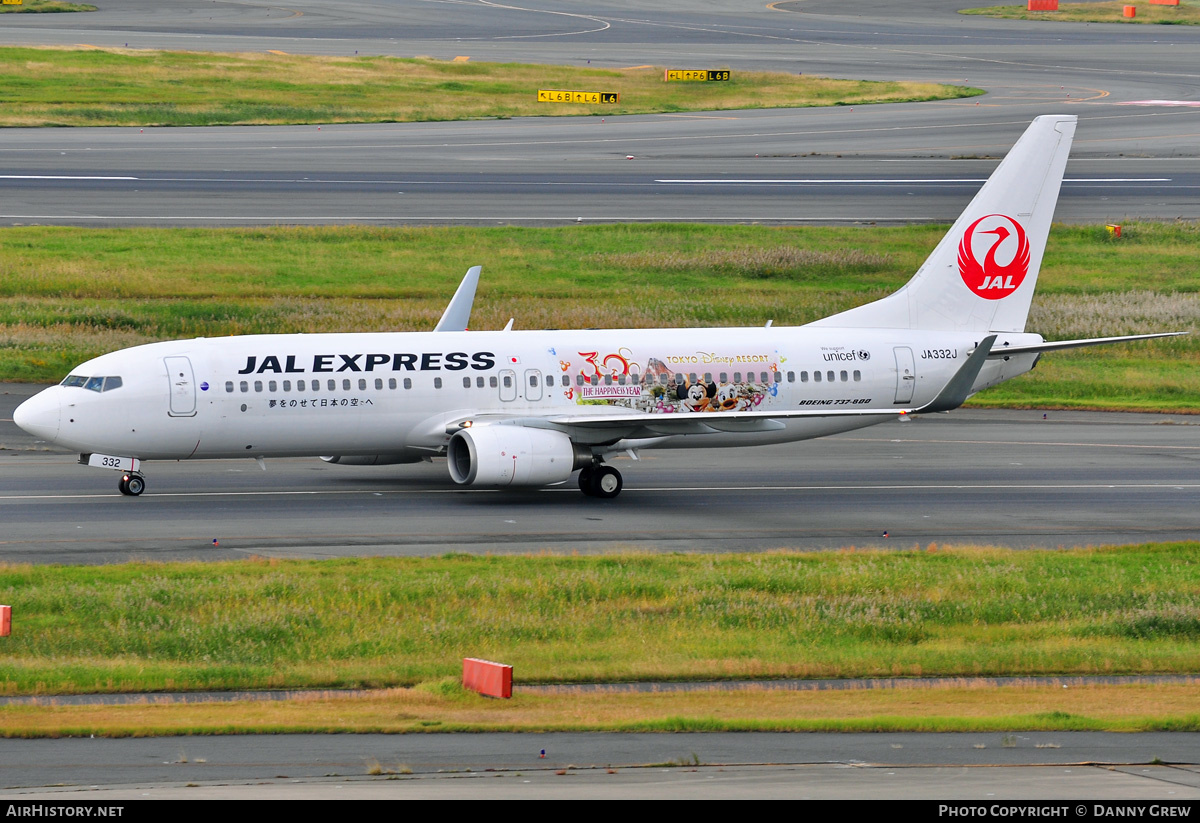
(695,396)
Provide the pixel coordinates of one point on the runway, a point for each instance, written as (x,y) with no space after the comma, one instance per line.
(983,767)
(1004,478)
(1134,158)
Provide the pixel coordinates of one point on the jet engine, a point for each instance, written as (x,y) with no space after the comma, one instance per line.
(500,455)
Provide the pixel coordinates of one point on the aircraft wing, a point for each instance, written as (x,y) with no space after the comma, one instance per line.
(601,423)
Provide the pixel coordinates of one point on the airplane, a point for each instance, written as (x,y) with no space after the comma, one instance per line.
(530,408)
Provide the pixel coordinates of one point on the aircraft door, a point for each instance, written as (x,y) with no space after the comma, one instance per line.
(182,386)
(508,385)
(533,384)
(906,374)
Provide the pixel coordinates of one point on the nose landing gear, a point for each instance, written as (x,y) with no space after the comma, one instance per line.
(132,484)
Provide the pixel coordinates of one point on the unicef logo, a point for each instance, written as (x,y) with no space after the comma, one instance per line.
(863,354)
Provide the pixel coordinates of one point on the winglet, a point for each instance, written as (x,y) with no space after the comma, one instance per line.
(958,389)
(457,315)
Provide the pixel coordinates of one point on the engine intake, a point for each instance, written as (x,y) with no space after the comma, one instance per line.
(500,455)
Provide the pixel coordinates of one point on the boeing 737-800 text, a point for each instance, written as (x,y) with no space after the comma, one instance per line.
(529,408)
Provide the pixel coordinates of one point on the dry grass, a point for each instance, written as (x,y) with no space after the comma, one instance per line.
(111,87)
(1068,316)
(962,706)
(1110,12)
(45,6)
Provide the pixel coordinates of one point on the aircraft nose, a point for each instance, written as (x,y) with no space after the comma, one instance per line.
(39,415)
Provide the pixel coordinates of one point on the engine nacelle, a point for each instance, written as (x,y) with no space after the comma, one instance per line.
(501,455)
(374,459)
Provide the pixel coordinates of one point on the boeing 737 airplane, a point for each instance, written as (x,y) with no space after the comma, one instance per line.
(529,408)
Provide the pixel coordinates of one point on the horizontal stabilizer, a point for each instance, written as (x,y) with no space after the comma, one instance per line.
(1058,345)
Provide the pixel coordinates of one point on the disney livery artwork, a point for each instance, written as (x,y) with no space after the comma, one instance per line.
(701,382)
(532,408)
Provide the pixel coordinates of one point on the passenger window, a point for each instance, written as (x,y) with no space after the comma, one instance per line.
(479,382)
(829,376)
(287,385)
(378,383)
(466,382)
(333,385)
(507,382)
(844,377)
(778,377)
(816,377)
(229,386)
(708,377)
(791,377)
(533,380)
(579,380)
(663,378)
(258,385)
(299,385)
(620,380)
(857,375)
(345,384)
(362,384)
(803,377)
(492,381)
(766,378)
(737,377)
(245,387)
(408,382)
(724,377)
(437,382)
(608,379)
(272,386)
(391,383)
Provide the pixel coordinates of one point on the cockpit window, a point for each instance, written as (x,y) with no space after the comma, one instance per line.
(96,384)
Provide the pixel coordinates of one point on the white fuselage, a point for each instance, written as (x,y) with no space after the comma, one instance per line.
(395,394)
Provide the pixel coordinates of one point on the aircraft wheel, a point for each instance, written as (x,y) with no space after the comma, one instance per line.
(587,479)
(124,485)
(606,482)
(135,484)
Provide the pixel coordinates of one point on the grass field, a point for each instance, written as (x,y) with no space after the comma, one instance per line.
(122,87)
(1186,13)
(444,707)
(45,7)
(70,294)
(405,624)
(387,622)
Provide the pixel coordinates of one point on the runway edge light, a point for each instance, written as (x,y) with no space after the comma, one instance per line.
(488,678)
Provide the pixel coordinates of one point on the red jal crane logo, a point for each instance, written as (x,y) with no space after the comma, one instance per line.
(992,280)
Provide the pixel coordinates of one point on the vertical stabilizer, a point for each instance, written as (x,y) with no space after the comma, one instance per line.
(982,274)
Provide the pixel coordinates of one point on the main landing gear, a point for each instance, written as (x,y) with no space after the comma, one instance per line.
(132,484)
(599,480)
